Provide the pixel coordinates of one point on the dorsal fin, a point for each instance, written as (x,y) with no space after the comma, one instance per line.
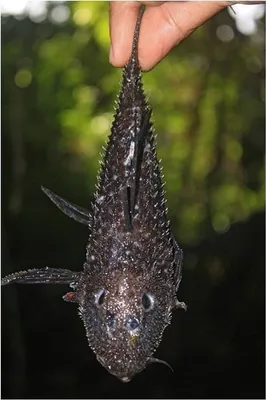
(128,208)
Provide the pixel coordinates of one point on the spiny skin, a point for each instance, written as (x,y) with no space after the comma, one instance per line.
(128,286)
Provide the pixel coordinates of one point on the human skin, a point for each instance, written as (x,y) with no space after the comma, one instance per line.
(164,25)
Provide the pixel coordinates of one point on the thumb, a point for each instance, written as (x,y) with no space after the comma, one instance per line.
(162,28)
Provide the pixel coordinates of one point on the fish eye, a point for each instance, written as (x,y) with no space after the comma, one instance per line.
(132,324)
(99,297)
(147,302)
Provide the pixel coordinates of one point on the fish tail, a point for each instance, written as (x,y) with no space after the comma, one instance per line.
(130,131)
(133,62)
(133,99)
(132,95)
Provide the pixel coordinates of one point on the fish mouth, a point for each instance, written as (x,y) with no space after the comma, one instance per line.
(121,369)
(125,379)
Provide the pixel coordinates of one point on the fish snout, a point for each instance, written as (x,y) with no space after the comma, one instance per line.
(130,322)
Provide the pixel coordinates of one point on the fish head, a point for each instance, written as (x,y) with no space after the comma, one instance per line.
(125,314)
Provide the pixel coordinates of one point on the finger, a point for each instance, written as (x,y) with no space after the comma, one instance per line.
(166,26)
(162,28)
(123,16)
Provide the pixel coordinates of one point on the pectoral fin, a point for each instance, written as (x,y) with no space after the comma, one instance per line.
(71,297)
(73,211)
(43,275)
(180,304)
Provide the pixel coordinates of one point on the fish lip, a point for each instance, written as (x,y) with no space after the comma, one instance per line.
(118,375)
(125,379)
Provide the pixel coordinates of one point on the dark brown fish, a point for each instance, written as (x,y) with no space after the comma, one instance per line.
(127,289)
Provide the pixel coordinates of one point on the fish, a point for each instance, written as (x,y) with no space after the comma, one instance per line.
(127,289)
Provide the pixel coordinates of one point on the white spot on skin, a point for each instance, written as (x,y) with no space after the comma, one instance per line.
(130,154)
(136,108)
(114,252)
(147,147)
(109,333)
(100,199)
(130,128)
(122,288)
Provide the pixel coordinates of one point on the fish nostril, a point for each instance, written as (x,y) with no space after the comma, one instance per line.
(132,323)
(110,320)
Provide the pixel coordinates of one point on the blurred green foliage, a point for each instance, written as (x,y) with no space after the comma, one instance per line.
(59,91)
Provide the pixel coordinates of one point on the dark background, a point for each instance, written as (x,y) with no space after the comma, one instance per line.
(58,91)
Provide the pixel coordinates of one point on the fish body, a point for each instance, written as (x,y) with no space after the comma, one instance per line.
(127,288)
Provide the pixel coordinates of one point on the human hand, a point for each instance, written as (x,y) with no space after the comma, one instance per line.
(164,25)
